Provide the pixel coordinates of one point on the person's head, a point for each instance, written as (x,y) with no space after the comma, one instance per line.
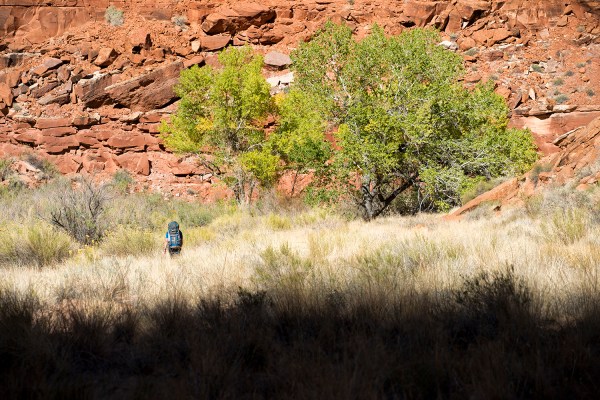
(173,225)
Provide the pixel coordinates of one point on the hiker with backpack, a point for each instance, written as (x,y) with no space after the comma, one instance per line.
(173,239)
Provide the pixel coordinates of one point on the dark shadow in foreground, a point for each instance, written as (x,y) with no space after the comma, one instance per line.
(487,340)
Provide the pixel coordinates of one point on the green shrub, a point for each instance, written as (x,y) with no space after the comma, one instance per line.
(561,98)
(537,170)
(536,68)
(194,214)
(180,21)
(114,16)
(122,180)
(279,222)
(569,73)
(38,245)
(558,82)
(125,241)
(590,92)
(5,169)
(472,51)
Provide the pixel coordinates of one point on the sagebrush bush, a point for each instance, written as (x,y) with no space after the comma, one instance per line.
(180,21)
(81,211)
(122,181)
(114,16)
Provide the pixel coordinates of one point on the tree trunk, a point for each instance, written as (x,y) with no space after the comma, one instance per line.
(374,204)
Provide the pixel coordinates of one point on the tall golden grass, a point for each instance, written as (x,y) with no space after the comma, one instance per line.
(311,305)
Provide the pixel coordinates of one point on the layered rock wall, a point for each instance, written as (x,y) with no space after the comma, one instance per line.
(33,21)
(89,96)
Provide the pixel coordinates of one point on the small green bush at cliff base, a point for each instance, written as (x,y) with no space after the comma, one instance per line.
(180,21)
(561,98)
(536,68)
(114,16)
(122,181)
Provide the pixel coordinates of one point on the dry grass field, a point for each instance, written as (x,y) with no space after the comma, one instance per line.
(307,304)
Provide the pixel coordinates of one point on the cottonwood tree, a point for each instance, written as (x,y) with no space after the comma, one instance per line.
(222,112)
(404,119)
(299,140)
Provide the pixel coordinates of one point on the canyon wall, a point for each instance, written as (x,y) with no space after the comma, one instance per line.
(89,97)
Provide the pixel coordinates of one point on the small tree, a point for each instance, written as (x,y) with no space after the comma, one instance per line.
(222,112)
(405,121)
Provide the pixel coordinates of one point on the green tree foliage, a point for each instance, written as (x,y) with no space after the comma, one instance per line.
(221,112)
(299,140)
(405,121)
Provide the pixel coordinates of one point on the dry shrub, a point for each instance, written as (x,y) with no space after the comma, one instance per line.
(81,211)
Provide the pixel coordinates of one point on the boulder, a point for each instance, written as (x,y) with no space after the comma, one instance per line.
(28,136)
(237,18)
(471,9)
(196,45)
(277,59)
(6,94)
(137,163)
(87,138)
(216,42)
(60,131)
(86,120)
(91,92)
(46,123)
(449,45)
(127,142)
(47,65)
(67,164)
(57,98)
(149,91)
(491,36)
(418,13)
(106,56)
(139,39)
(43,89)
(272,36)
(466,43)
(196,60)
(59,145)
(11,78)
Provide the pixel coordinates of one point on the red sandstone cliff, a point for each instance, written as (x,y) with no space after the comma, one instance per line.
(89,96)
